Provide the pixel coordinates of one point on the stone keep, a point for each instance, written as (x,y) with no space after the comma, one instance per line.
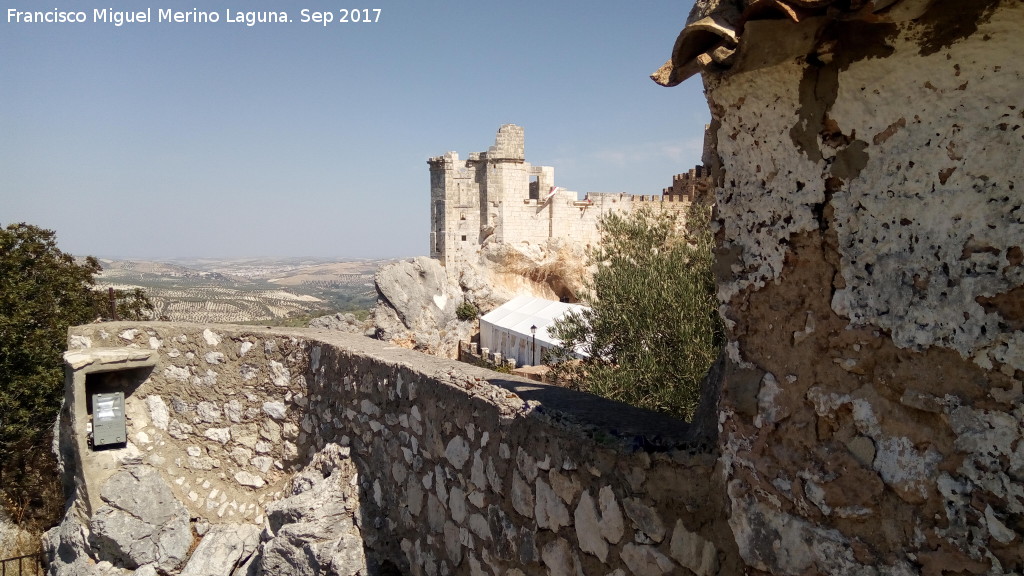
(496,196)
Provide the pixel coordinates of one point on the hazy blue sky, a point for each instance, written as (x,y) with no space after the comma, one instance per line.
(219,139)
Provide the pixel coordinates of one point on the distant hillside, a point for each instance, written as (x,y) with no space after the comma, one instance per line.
(247,290)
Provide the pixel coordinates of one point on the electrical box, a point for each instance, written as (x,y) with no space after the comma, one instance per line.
(108,425)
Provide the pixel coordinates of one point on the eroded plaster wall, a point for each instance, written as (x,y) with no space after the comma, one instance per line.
(458,472)
(871,226)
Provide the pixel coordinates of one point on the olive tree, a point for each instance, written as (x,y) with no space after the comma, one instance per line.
(43,291)
(652,329)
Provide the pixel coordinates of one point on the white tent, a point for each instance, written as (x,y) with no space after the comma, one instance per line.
(506,329)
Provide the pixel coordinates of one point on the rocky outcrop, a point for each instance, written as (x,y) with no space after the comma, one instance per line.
(418,298)
(141,522)
(314,530)
(225,550)
(417,307)
(344,322)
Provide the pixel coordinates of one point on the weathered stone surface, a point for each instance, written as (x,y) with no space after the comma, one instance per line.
(645,518)
(646,560)
(159,415)
(612,526)
(564,485)
(860,211)
(209,412)
(314,530)
(341,321)
(522,495)
(221,435)
(693,551)
(457,452)
(360,401)
(457,504)
(560,559)
(417,302)
(141,522)
(67,547)
(588,528)
(276,410)
(222,549)
(478,475)
(248,479)
(211,337)
(280,374)
(550,512)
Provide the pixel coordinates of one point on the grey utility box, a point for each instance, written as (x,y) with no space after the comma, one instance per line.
(108,425)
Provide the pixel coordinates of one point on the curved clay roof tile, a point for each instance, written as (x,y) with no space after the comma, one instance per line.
(714,30)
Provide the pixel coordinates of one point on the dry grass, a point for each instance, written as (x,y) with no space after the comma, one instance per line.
(31,501)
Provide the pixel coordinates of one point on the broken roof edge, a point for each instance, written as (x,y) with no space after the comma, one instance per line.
(713,36)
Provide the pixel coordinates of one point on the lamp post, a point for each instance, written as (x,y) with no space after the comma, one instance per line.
(533,347)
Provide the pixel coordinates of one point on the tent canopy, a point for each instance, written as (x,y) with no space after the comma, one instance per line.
(521,312)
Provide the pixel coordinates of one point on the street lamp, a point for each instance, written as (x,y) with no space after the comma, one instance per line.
(533,348)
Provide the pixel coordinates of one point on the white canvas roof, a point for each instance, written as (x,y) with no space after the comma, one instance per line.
(521,312)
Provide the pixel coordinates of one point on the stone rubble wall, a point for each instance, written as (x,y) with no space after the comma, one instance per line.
(871,220)
(450,473)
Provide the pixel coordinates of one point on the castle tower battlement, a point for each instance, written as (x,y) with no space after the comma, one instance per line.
(497,196)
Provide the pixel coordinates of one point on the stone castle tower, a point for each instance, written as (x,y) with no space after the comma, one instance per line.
(469,200)
(496,196)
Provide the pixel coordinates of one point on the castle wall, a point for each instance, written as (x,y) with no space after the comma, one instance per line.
(516,205)
(459,470)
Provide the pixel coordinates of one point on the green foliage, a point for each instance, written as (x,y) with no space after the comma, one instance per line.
(128,304)
(652,330)
(466,311)
(43,292)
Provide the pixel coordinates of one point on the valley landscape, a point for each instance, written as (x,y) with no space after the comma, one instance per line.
(277,291)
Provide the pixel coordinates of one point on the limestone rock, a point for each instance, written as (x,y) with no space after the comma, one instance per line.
(588,528)
(612,525)
(313,531)
(645,518)
(693,551)
(222,435)
(141,522)
(522,495)
(341,322)
(550,512)
(159,414)
(276,410)
(419,292)
(560,559)
(248,479)
(66,548)
(11,534)
(222,549)
(457,452)
(645,560)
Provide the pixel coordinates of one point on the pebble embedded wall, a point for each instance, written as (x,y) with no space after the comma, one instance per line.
(455,472)
(871,225)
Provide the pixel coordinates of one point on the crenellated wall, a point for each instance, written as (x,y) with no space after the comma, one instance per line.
(457,470)
(498,197)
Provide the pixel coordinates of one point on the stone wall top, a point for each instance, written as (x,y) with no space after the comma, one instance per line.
(435,466)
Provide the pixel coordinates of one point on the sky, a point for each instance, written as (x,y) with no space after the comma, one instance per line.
(222,140)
